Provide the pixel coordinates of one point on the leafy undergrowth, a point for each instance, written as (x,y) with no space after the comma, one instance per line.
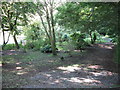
(19,66)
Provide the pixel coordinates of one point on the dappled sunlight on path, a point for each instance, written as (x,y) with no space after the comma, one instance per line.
(75,76)
(93,69)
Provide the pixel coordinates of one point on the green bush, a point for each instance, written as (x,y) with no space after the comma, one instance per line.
(46,42)
(29,45)
(78,40)
(65,37)
(9,47)
(46,49)
(34,36)
(114,40)
(35,45)
(88,41)
(21,46)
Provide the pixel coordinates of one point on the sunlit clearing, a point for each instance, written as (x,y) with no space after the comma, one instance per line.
(18,63)
(70,68)
(75,65)
(102,73)
(30,66)
(51,61)
(74,79)
(48,75)
(77,50)
(12,54)
(94,66)
(12,50)
(57,81)
(21,73)
(66,72)
(108,47)
(91,81)
(83,80)
(97,74)
(103,46)
(53,71)
(18,68)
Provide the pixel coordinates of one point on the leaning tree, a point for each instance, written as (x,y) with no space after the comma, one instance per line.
(14,14)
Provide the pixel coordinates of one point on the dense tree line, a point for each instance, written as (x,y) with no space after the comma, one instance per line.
(85,18)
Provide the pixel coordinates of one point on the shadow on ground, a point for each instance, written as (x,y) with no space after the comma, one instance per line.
(93,69)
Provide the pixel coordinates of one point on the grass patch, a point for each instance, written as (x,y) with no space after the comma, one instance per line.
(115,86)
(30,63)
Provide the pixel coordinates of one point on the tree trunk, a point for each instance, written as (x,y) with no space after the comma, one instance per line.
(6,41)
(3,37)
(53,33)
(49,17)
(90,33)
(16,43)
(53,47)
(44,25)
(54,44)
(94,38)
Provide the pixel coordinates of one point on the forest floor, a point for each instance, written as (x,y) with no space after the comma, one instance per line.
(92,68)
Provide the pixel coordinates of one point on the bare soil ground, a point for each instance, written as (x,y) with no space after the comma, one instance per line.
(93,69)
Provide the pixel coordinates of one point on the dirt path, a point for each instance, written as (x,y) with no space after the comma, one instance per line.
(95,69)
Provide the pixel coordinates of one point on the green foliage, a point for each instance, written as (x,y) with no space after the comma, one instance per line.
(35,45)
(65,37)
(88,17)
(78,40)
(9,47)
(88,40)
(46,49)
(32,31)
(46,42)
(15,14)
(34,36)
(12,46)
(114,40)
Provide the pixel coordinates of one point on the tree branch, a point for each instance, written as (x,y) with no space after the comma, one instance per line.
(43,24)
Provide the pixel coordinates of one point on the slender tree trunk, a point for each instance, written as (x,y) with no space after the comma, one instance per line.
(53,45)
(14,35)
(53,34)
(44,26)
(3,37)
(94,38)
(51,30)
(90,33)
(15,40)
(6,41)
(49,17)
